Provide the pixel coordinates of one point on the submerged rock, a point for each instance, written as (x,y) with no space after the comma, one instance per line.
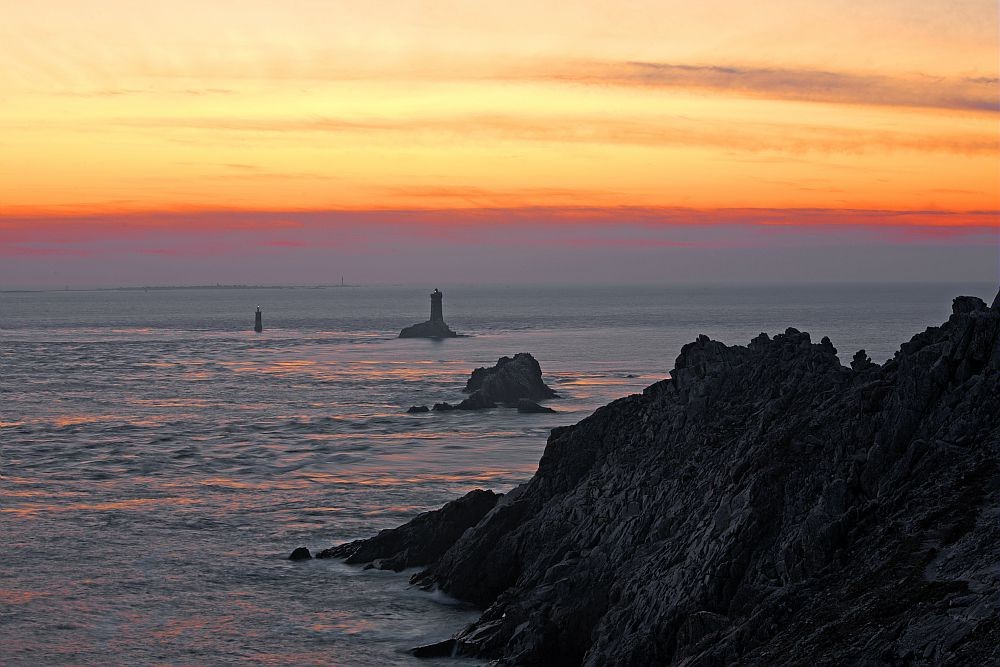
(421,540)
(763,506)
(524,405)
(300,553)
(415,409)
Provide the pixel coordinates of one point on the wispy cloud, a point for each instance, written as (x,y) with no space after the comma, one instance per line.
(978,94)
(645,130)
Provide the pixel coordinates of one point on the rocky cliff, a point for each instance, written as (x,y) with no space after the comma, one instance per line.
(764,506)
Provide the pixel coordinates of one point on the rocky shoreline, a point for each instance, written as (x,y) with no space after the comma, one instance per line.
(766,505)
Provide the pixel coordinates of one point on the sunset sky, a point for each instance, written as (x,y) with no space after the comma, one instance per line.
(293,142)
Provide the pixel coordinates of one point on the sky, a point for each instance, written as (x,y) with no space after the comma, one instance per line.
(295,142)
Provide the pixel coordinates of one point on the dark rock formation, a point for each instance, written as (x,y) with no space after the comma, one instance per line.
(420,541)
(764,506)
(861,361)
(524,405)
(300,554)
(415,409)
(510,380)
(434,327)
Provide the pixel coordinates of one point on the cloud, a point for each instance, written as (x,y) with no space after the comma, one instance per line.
(636,130)
(976,94)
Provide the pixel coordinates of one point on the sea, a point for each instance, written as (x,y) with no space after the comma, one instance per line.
(159,460)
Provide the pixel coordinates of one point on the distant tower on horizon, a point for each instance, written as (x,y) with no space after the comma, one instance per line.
(437,312)
(258,321)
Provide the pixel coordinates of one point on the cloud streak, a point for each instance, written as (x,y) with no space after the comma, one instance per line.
(645,130)
(975,94)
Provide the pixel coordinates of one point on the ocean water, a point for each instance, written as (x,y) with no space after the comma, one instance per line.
(159,460)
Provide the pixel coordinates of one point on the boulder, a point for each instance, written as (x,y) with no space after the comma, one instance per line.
(301,553)
(415,409)
(511,379)
(524,405)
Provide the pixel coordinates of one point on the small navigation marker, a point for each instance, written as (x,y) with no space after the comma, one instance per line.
(258,323)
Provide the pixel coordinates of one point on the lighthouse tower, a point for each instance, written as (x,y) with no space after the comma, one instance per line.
(437,312)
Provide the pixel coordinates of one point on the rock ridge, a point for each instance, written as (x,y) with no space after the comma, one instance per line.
(765,505)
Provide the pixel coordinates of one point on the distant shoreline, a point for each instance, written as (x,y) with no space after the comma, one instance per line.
(161,288)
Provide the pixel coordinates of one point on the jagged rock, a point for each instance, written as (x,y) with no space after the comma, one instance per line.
(524,405)
(511,379)
(861,361)
(415,409)
(421,540)
(300,553)
(763,506)
(967,304)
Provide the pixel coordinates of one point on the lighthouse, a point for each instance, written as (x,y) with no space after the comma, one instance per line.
(435,327)
(437,312)
(258,322)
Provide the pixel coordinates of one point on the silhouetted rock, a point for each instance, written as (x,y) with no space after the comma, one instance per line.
(421,540)
(428,330)
(434,327)
(524,405)
(510,380)
(443,649)
(475,402)
(414,409)
(861,361)
(764,506)
(300,554)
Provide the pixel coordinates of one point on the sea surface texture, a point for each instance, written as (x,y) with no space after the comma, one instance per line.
(159,460)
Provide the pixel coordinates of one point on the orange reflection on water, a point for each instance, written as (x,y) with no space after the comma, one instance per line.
(131,504)
(374,479)
(338,621)
(11,596)
(229,483)
(73,420)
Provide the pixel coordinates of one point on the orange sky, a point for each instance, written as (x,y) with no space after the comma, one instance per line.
(119,106)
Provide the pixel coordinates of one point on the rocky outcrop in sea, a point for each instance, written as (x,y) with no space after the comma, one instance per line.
(766,505)
(514,381)
(435,327)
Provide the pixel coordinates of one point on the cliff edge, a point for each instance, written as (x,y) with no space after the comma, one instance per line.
(764,506)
